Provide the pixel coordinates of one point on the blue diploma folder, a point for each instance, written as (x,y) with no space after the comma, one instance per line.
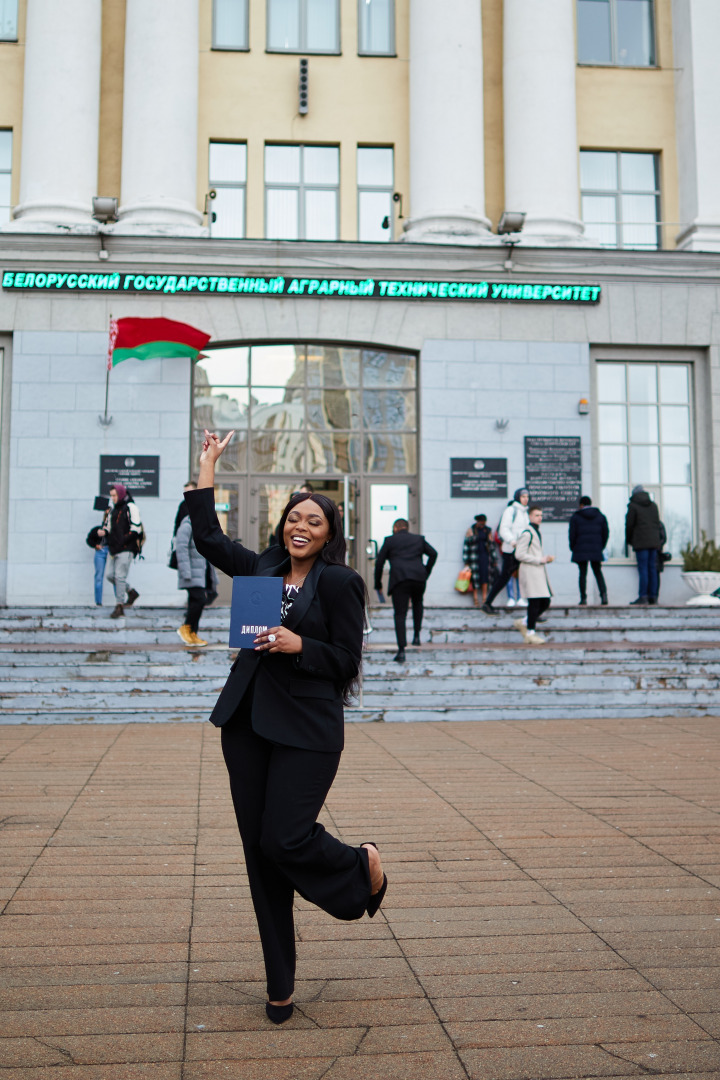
(256,606)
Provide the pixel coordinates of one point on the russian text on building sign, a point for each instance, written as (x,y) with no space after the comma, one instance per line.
(369,288)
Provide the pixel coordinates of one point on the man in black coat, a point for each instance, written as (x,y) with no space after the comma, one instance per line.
(642,533)
(588,534)
(408,575)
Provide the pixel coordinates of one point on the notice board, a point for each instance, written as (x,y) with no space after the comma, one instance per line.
(478,478)
(140,473)
(553,474)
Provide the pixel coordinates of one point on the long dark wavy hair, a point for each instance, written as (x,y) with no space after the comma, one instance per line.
(333,553)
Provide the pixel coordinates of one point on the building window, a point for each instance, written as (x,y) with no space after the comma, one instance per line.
(644,436)
(5,175)
(376,27)
(302,192)
(375,191)
(303,26)
(308,409)
(8,20)
(620,198)
(230,24)
(620,33)
(228,178)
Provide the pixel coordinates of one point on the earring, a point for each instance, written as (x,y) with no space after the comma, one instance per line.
(326,543)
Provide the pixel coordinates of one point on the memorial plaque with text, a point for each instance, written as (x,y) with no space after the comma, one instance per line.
(553,474)
(139,473)
(478,478)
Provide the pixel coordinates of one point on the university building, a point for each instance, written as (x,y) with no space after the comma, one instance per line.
(443,250)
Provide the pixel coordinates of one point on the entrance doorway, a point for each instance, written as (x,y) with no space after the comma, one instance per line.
(343,419)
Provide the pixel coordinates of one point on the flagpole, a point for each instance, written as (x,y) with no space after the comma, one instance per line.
(106,420)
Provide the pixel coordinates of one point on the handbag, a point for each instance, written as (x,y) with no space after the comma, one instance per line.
(172,556)
(464,578)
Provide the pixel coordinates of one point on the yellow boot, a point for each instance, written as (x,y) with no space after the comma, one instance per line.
(186,634)
(197,640)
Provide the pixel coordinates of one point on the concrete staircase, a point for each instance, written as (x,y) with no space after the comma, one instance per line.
(76,665)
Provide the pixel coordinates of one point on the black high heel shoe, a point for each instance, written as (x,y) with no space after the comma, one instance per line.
(377,898)
(278,1013)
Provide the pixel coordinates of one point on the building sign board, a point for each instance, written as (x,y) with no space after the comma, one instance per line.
(140,473)
(553,474)
(478,478)
(53,281)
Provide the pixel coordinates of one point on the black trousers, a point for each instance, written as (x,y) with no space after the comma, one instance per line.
(277,793)
(597,571)
(509,566)
(197,598)
(402,595)
(535,608)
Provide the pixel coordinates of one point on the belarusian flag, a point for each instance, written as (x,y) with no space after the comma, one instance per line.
(149,339)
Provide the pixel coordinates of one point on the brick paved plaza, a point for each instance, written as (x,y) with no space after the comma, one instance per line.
(552,910)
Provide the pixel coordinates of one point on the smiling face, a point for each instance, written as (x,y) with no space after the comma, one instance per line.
(306,530)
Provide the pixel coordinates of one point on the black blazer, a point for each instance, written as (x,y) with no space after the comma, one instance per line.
(297,700)
(404,550)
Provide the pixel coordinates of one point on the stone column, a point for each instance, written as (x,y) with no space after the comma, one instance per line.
(541,147)
(696,32)
(447,181)
(60,122)
(160,119)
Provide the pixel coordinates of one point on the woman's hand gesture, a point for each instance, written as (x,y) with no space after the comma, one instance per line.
(213,447)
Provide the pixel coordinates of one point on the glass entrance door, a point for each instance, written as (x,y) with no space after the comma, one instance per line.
(384,503)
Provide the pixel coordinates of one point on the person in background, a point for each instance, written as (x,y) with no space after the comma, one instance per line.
(122,540)
(662,556)
(534,581)
(642,533)
(588,535)
(408,575)
(512,523)
(97,540)
(195,574)
(479,554)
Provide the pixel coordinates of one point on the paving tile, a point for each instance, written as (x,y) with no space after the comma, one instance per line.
(543,1063)
(292,1040)
(92,1049)
(124,1071)
(539,1007)
(589,1030)
(670,1056)
(46,1023)
(420,1066)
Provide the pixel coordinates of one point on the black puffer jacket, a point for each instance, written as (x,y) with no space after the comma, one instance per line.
(588,534)
(121,537)
(642,523)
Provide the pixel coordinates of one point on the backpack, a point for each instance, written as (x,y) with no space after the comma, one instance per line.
(137,529)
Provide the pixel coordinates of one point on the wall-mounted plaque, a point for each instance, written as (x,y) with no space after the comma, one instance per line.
(553,474)
(478,478)
(140,473)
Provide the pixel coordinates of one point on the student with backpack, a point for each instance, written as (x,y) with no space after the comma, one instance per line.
(125,538)
(513,521)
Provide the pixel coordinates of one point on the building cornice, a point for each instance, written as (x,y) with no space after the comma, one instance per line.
(185,254)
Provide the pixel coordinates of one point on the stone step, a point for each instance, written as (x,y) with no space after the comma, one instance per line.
(73,665)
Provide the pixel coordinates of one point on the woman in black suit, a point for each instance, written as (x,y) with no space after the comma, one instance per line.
(281,715)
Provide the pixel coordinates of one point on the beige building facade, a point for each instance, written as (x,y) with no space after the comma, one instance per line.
(319,185)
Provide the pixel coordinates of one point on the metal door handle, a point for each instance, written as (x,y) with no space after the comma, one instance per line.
(371,550)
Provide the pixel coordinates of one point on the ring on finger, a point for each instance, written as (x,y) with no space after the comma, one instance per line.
(271,637)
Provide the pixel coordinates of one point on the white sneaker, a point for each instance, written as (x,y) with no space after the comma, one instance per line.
(511,602)
(533,638)
(522,602)
(521,626)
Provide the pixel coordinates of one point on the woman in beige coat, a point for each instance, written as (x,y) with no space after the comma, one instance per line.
(534,581)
